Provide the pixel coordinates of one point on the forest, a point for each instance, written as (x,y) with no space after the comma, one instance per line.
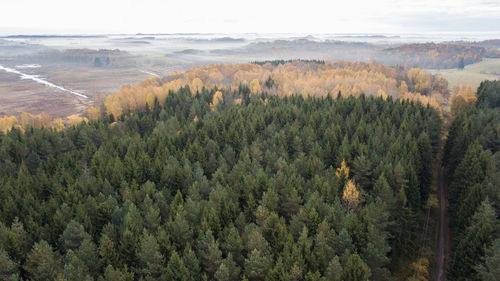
(281,78)
(442,55)
(472,159)
(198,187)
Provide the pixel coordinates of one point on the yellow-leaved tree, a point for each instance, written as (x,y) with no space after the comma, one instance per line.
(420,270)
(93,113)
(75,120)
(216,100)
(343,171)
(7,122)
(255,87)
(462,99)
(350,196)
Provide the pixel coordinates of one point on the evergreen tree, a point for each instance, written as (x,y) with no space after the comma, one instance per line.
(425,172)
(75,269)
(176,270)
(334,272)
(355,269)
(489,269)
(107,252)
(73,235)
(150,259)
(209,253)
(9,270)
(471,246)
(257,265)
(42,263)
(191,262)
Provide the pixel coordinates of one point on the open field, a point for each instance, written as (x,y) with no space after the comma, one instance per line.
(473,74)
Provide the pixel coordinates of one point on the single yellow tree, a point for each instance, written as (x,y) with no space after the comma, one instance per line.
(462,99)
(58,124)
(420,270)
(75,120)
(343,171)
(196,85)
(93,113)
(216,100)
(255,87)
(350,196)
(7,122)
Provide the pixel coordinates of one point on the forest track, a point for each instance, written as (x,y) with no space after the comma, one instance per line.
(443,245)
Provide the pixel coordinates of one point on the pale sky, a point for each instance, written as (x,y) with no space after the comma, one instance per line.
(259,16)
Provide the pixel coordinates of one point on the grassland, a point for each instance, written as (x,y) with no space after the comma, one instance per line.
(473,74)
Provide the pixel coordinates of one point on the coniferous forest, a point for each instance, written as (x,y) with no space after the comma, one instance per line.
(472,158)
(271,188)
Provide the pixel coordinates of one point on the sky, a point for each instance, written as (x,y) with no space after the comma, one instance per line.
(254,16)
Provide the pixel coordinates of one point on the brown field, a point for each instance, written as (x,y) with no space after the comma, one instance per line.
(18,96)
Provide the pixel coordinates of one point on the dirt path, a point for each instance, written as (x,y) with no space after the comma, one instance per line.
(444,232)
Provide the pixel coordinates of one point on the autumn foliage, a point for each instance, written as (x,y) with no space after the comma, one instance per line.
(462,98)
(438,55)
(305,78)
(350,195)
(285,79)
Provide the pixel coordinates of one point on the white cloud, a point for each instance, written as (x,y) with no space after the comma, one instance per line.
(229,16)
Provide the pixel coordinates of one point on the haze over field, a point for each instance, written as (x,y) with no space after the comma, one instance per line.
(154,38)
(97,65)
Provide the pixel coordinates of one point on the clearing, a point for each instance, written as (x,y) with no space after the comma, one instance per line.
(472,74)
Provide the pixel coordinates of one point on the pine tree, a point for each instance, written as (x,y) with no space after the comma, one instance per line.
(107,252)
(73,235)
(471,247)
(334,270)
(176,270)
(234,245)
(469,172)
(88,254)
(209,253)
(111,274)
(42,263)
(191,262)
(9,270)
(489,268)
(75,269)
(228,270)
(278,272)
(425,172)
(150,258)
(257,265)
(469,205)
(355,269)
(362,172)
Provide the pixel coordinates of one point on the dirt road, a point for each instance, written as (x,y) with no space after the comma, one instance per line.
(444,232)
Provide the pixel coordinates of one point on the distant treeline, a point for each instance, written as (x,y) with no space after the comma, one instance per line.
(439,55)
(278,62)
(97,58)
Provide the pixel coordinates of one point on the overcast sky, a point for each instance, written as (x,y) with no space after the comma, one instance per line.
(259,16)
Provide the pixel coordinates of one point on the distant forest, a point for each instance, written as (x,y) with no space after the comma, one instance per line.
(441,55)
